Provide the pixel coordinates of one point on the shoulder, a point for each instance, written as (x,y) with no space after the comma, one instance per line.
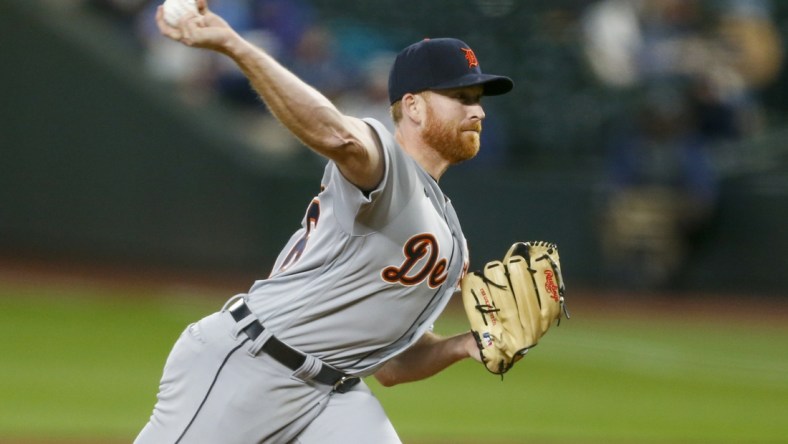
(390,150)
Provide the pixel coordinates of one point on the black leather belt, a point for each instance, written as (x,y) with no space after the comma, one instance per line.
(290,357)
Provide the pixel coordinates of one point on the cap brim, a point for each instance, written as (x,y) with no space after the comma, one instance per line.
(493,85)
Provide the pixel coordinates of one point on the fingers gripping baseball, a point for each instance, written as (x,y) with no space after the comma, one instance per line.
(202,29)
(165,28)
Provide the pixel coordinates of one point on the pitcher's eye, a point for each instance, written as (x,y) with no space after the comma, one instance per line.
(468,98)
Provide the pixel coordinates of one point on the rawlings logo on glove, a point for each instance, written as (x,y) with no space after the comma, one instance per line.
(512,303)
(550,286)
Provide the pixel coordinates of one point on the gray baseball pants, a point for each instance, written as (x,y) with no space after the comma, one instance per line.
(216,389)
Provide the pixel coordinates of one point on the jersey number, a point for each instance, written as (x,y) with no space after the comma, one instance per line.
(312,215)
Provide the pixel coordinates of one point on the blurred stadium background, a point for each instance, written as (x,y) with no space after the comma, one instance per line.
(647,138)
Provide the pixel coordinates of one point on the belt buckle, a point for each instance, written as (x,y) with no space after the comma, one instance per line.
(345,383)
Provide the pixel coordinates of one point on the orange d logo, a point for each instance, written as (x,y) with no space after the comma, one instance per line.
(470,57)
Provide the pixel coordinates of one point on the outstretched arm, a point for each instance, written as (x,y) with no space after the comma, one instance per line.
(428,356)
(308,114)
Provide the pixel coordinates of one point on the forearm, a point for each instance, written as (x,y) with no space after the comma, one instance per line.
(307,113)
(430,355)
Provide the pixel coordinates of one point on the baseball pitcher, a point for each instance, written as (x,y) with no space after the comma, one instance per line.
(355,291)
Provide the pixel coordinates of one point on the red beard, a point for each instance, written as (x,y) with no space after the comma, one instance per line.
(454,143)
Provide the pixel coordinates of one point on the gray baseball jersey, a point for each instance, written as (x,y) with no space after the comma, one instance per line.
(364,278)
(367,274)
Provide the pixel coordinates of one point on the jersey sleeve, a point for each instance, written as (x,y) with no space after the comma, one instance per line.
(360,213)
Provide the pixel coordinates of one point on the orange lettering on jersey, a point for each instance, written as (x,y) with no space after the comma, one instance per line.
(310,223)
(416,248)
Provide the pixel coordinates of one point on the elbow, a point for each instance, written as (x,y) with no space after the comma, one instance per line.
(341,148)
(332,132)
(341,144)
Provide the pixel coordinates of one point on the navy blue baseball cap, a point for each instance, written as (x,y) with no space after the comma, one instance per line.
(441,63)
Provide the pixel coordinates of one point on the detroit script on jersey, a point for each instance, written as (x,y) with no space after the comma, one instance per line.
(366,274)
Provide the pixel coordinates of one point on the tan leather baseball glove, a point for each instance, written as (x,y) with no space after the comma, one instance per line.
(512,303)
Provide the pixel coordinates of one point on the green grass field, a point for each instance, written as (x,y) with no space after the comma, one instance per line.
(80,363)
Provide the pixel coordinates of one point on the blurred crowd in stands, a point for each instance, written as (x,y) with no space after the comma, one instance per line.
(697,79)
(646,89)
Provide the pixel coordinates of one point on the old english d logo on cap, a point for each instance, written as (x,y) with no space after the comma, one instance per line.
(470,57)
(441,63)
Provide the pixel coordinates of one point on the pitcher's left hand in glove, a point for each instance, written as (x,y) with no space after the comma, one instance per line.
(512,303)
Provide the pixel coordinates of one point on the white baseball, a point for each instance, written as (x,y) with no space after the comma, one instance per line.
(174,10)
